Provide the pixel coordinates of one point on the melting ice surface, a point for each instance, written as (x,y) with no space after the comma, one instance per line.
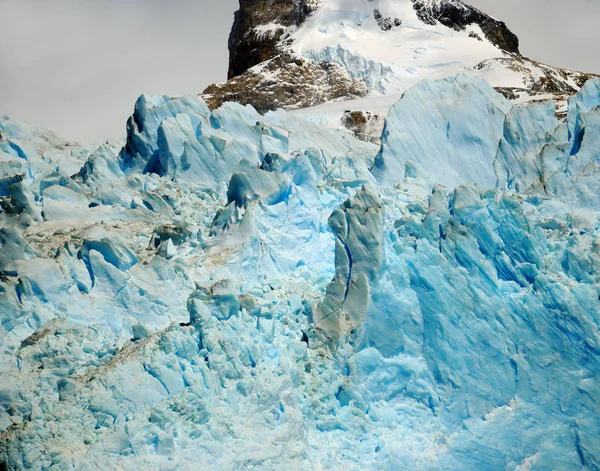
(236,291)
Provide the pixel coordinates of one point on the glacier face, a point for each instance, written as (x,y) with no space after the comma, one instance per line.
(237,291)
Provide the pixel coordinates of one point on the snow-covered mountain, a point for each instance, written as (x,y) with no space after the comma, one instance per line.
(298,54)
(233,290)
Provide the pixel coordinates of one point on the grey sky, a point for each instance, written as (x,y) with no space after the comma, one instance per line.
(77,66)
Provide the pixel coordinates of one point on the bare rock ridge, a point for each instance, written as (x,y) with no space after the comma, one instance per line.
(458,15)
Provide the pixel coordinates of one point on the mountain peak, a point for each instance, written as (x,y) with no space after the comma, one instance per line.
(300,53)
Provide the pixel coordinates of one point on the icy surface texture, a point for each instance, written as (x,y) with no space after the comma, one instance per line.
(357,227)
(449,131)
(237,291)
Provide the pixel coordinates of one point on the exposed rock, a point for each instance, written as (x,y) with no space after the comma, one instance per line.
(258,28)
(386,23)
(272,64)
(457,15)
(510,93)
(550,80)
(264,73)
(474,35)
(365,125)
(288,82)
(540,81)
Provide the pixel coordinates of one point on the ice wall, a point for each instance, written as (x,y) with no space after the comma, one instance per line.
(229,290)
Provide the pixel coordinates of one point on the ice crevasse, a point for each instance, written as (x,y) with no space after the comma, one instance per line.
(237,291)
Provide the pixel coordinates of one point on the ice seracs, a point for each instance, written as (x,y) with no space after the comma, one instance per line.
(357,227)
(231,289)
(449,131)
(241,290)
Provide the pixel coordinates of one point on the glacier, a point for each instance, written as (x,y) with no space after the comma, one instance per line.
(230,290)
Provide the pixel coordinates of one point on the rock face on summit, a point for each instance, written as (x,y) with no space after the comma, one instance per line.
(457,15)
(265,72)
(248,44)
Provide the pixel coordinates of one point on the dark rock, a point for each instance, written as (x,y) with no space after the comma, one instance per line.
(457,15)
(510,93)
(474,35)
(284,80)
(553,81)
(249,47)
(265,72)
(385,23)
(365,125)
(289,83)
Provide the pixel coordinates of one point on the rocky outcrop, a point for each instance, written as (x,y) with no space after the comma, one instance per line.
(265,73)
(540,78)
(457,15)
(365,125)
(288,82)
(540,81)
(386,23)
(259,27)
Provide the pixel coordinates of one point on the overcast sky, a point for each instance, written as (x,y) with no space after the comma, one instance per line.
(77,66)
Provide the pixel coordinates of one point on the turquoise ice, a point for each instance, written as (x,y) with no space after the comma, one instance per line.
(229,290)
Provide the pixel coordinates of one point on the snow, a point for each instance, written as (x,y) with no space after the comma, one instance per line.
(235,291)
(345,31)
(270,29)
